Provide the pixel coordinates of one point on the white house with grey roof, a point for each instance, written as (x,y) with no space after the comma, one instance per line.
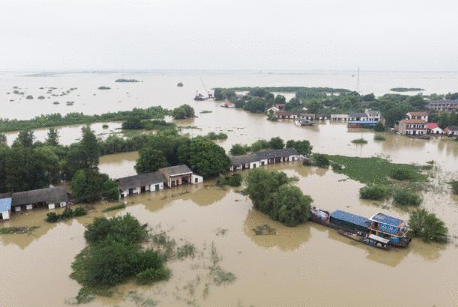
(178,175)
(273,156)
(50,197)
(244,162)
(141,183)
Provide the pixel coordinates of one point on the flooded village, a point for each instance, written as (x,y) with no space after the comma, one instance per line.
(307,265)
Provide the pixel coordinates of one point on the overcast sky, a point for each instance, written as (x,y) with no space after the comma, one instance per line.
(236,34)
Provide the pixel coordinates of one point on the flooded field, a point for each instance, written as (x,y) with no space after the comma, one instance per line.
(304,266)
(295,267)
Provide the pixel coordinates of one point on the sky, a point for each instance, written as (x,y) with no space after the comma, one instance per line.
(43,35)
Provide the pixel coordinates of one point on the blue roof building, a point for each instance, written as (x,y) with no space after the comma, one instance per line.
(349,220)
(5,208)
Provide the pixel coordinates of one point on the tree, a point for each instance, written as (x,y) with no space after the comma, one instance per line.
(427,226)
(277,143)
(321,160)
(259,144)
(256,105)
(25,138)
(302,147)
(150,160)
(405,197)
(280,99)
(90,186)
(90,149)
(3,140)
(271,194)
(182,112)
(454,184)
(53,137)
(369,97)
(293,104)
(314,106)
(379,127)
(207,158)
(238,149)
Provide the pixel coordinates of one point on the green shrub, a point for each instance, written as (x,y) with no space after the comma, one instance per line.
(79,211)
(238,149)
(454,185)
(115,207)
(186,251)
(321,160)
(427,226)
(336,166)
(52,217)
(307,162)
(379,127)
(373,192)
(359,141)
(401,174)
(67,214)
(105,126)
(379,137)
(405,197)
(151,275)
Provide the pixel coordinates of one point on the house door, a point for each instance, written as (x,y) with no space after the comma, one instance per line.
(156,187)
(131,191)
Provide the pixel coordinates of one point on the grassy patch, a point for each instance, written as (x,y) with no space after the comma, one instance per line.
(17,230)
(359,141)
(115,207)
(205,112)
(373,170)
(405,197)
(379,137)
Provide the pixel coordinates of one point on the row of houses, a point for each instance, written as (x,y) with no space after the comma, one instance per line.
(416,123)
(50,198)
(166,177)
(264,157)
(444,105)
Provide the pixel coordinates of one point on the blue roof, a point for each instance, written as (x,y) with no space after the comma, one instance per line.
(386,219)
(5,204)
(351,218)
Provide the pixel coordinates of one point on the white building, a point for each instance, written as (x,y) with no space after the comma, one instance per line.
(141,183)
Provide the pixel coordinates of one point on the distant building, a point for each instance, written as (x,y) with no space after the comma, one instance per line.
(339,117)
(358,117)
(273,156)
(412,127)
(451,131)
(418,115)
(433,128)
(176,175)
(443,105)
(372,115)
(244,162)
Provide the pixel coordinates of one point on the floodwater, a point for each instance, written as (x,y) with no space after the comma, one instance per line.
(307,265)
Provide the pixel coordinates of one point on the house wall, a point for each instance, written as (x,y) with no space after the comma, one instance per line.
(5,215)
(195,179)
(152,187)
(255,164)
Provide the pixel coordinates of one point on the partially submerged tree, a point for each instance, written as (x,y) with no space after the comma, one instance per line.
(427,226)
(150,160)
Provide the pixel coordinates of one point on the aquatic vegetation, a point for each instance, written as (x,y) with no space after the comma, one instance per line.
(402,174)
(234,180)
(373,192)
(116,207)
(454,185)
(205,112)
(359,141)
(321,160)
(374,170)
(379,137)
(406,197)
(68,213)
(187,250)
(427,226)
(17,230)
(104,88)
(406,89)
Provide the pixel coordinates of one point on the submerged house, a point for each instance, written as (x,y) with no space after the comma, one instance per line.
(433,128)
(50,197)
(244,162)
(412,127)
(418,115)
(277,156)
(141,183)
(5,208)
(178,175)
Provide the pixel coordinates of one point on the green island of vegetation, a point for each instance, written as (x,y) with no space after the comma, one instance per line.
(127,80)
(115,254)
(406,89)
(359,141)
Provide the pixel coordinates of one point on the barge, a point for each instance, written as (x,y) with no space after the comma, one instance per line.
(381,230)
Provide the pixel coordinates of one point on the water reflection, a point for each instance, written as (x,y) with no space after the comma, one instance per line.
(391,258)
(286,239)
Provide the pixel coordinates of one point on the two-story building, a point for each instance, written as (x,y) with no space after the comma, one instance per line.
(418,115)
(412,127)
(372,115)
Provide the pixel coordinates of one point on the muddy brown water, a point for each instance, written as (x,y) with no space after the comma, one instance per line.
(308,265)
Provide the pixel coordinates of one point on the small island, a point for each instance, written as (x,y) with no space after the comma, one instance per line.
(180,84)
(104,88)
(127,80)
(406,89)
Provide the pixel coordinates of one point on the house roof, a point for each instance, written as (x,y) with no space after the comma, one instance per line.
(286,113)
(307,114)
(176,170)
(5,204)
(48,195)
(418,113)
(243,159)
(386,219)
(140,180)
(276,153)
(350,218)
(431,126)
(357,115)
(413,121)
